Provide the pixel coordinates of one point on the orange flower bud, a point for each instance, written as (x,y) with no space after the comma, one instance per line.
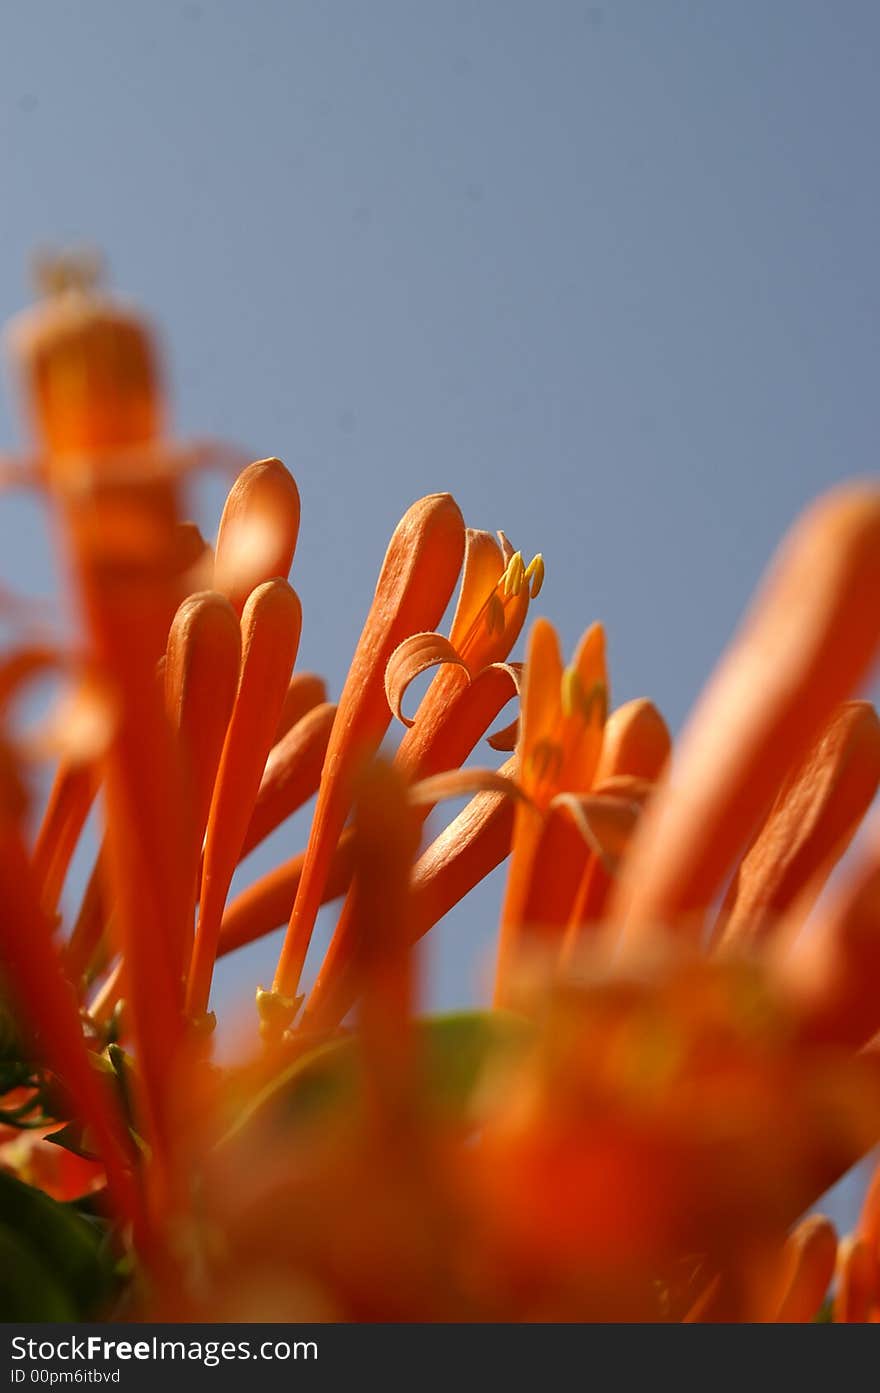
(90,369)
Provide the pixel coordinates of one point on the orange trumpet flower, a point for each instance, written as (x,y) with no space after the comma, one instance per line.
(465,696)
(560,741)
(683,1052)
(420,568)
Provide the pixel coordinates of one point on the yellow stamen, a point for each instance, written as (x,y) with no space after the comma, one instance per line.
(81,269)
(572,692)
(494,614)
(590,706)
(534,572)
(596,704)
(276,1011)
(545,760)
(512,579)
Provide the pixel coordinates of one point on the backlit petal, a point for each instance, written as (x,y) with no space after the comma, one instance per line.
(420,569)
(809,639)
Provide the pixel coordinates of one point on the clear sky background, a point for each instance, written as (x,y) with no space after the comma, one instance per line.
(607,272)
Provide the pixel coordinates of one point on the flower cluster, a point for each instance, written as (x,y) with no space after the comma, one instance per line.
(681,1055)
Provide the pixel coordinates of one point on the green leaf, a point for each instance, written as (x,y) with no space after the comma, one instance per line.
(28,1288)
(76,1138)
(116,1067)
(123,1071)
(462,1047)
(457,1052)
(61,1258)
(11,1048)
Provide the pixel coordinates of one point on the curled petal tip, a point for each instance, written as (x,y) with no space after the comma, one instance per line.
(411,658)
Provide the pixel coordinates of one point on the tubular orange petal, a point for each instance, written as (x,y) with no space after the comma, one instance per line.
(589,906)
(92,380)
(262,907)
(91,377)
(485,630)
(527,829)
(808,1261)
(70,800)
(271,624)
(834,967)
(122,532)
(45,999)
(869,1220)
(146,930)
(484,564)
(108,996)
(815,816)
(416,581)
(506,739)
(584,708)
(201,673)
(460,783)
(384,844)
(635,749)
(704,1308)
(291,775)
(194,558)
(456,710)
(414,656)
(191,549)
(445,732)
(80,726)
(636,741)
(21,666)
(493,602)
(605,821)
(130,609)
(462,855)
(559,863)
(88,927)
(541,714)
(305,691)
(258,530)
(635,788)
(266,904)
(561,726)
(855,1295)
(613,831)
(807,642)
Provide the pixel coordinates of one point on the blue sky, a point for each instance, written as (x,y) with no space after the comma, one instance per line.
(606,272)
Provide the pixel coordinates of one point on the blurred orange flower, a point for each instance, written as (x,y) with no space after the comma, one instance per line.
(682,1054)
